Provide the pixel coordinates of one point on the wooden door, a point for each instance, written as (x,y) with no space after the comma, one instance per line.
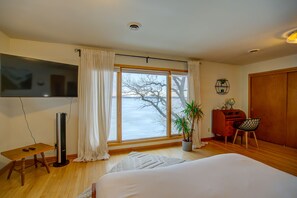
(292,110)
(268,101)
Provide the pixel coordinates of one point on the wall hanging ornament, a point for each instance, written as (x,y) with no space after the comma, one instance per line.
(222,86)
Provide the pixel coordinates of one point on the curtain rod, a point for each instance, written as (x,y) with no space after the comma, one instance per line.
(146,57)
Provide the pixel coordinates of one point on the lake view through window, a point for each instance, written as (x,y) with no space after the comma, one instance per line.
(144,107)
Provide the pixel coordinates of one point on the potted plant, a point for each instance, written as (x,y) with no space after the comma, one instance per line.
(186,123)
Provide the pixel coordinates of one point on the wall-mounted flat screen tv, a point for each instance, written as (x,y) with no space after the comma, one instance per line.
(28,77)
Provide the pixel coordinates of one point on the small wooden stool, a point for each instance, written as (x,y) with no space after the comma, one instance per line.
(26,151)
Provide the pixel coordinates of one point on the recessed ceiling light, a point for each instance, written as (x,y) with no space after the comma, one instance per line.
(134,26)
(252,51)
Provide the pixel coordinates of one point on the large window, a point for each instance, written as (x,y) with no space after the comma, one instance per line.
(142,101)
(144,105)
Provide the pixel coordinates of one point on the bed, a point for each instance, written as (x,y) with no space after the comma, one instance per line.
(226,175)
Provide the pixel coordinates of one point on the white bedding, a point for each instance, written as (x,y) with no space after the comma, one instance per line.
(227,175)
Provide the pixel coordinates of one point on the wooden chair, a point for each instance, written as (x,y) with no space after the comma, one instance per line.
(248,126)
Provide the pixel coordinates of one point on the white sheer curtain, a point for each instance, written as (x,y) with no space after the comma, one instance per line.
(194,94)
(94,100)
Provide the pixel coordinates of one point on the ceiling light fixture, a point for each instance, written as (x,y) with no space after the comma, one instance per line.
(134,26)
(252,51)
(292,37)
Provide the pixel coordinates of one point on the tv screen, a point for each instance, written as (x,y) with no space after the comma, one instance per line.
(28,77)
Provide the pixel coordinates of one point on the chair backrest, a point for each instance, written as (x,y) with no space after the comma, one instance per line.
(250,124)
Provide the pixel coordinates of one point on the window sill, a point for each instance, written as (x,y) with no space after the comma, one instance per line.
(147,140)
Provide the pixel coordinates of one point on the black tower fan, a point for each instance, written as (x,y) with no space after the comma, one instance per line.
(61,140)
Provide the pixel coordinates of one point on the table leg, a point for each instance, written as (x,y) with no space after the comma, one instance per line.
(226,139)
(11,169)
(35,160)
(45,162)
(23,171)
(235,136)
(256,139)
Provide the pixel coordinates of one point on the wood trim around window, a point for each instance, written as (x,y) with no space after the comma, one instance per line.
(149,68)
(145,147)
(169,84)
(119,106)
(144,140)
(169,136)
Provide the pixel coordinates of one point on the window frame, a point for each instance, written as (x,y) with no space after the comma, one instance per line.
(175,73)
(169,71)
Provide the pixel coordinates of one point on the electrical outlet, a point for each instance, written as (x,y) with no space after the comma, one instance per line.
(208,130)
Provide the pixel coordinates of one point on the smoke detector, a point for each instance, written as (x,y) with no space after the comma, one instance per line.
(134,26)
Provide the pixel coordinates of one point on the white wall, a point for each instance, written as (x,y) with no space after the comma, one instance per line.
(41,114)
(56,52)
(4,43)
(64,53)
(209,73)
(4,109)
(151,63)
(41,111)
(273,64)
(4,129)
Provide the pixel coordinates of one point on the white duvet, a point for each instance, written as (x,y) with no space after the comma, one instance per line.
(227,175)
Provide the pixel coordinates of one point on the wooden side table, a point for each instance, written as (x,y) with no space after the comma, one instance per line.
(26,151)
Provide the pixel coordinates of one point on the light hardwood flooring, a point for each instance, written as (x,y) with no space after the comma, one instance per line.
(71,180)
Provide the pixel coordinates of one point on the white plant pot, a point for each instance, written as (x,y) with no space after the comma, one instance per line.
(187,146)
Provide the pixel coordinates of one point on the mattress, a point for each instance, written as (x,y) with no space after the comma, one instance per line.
(226,175)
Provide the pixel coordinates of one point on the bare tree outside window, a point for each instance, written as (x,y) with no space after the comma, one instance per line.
(179,97)
(151,90)
(144,110)
(145,102)
(148,88)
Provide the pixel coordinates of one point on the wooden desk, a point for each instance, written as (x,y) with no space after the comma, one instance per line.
(19,154)
(223,121)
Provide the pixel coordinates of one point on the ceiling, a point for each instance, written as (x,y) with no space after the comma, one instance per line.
(213,30)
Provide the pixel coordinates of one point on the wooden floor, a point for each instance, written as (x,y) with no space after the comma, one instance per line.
(71,180)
